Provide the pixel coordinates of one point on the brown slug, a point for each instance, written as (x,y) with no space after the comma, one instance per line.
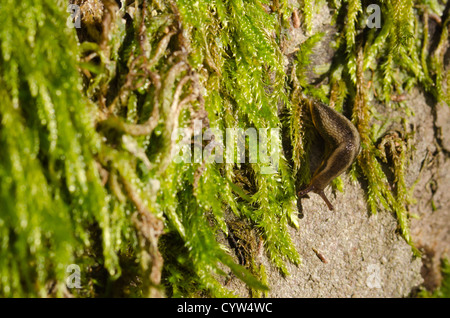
(342,142)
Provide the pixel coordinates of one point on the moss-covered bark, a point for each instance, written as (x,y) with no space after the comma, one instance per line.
(87,115)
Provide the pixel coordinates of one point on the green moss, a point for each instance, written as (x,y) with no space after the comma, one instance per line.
(86,121)
(443,291)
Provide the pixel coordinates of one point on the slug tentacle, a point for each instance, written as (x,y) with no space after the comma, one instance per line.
(343,142)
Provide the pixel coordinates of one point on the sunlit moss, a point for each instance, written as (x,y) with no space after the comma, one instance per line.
(86,121)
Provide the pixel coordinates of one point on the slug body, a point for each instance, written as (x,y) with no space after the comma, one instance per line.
(343,145)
